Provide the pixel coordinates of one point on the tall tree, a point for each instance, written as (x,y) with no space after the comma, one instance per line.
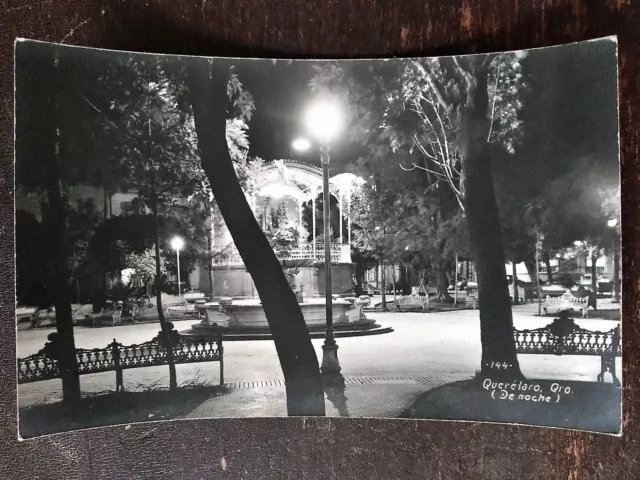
(210,103)
(155,149)
(462,109)
(375,213)
(365,86)
(41,88)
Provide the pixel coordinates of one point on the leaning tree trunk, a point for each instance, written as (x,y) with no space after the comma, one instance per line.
(208,89)
(173,380)
(496,320)
(56,221)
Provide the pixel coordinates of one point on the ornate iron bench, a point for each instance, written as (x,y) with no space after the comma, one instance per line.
(111,317)
(39,315)
(116,357)
(472,298)
(80,316)
(409,302)
(564,337)
(566,302)
(172,311)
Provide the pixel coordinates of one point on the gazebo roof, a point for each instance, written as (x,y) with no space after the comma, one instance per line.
(301,180)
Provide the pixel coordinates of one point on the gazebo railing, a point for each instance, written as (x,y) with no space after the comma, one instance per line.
(301,251)
(305,251)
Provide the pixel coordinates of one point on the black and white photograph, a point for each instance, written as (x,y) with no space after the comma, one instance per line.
(434,238)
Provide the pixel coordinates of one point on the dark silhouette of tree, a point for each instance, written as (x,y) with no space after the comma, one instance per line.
(153,145)
(41,90)
(31,261)
(457,111)
(210,103)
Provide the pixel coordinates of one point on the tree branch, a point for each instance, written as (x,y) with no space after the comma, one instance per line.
(467,78)
(495,97)
(435,88)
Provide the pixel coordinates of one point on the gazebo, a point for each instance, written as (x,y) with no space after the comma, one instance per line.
(288,189)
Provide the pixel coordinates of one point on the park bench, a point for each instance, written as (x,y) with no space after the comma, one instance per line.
(411,302)
(565,302)
(82,314)
(564,337)
(172,311)
(40,315)
(471,297)
(110,316)
(116,357)
(468,295)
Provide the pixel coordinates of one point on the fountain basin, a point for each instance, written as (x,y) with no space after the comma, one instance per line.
(246,320)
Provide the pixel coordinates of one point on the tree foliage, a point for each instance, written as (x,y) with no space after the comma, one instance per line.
(143,267)
(376,225)
(428,112)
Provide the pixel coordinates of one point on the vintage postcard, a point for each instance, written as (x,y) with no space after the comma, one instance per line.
(407,238)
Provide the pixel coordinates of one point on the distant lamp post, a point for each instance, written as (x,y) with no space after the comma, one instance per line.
(323,121)
(615,292)
(177,243)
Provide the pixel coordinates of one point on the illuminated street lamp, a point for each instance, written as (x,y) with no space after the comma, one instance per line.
(301,144)
(615,292)
(177,243)
(323,121)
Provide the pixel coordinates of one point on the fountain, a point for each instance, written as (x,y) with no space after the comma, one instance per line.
(243,319)
(282,189)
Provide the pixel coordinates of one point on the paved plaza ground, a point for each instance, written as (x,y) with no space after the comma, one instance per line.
(384,374)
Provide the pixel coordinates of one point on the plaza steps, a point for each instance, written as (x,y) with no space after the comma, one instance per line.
(356,329)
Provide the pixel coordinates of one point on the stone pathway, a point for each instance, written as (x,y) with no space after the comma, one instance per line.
(385,397)
(384,374)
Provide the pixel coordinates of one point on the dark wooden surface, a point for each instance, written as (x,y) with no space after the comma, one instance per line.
(324,448)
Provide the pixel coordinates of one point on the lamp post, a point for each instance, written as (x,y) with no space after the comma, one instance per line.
(323,120)
(615,292)
(539,240)
(330,361)
(177,244)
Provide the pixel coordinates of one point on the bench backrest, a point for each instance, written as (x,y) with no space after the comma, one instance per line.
(115,356)
(566,338)
(412,298)
(566,299)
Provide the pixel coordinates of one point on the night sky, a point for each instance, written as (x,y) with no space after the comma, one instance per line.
(569,109)
(281,93)
(569,112)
